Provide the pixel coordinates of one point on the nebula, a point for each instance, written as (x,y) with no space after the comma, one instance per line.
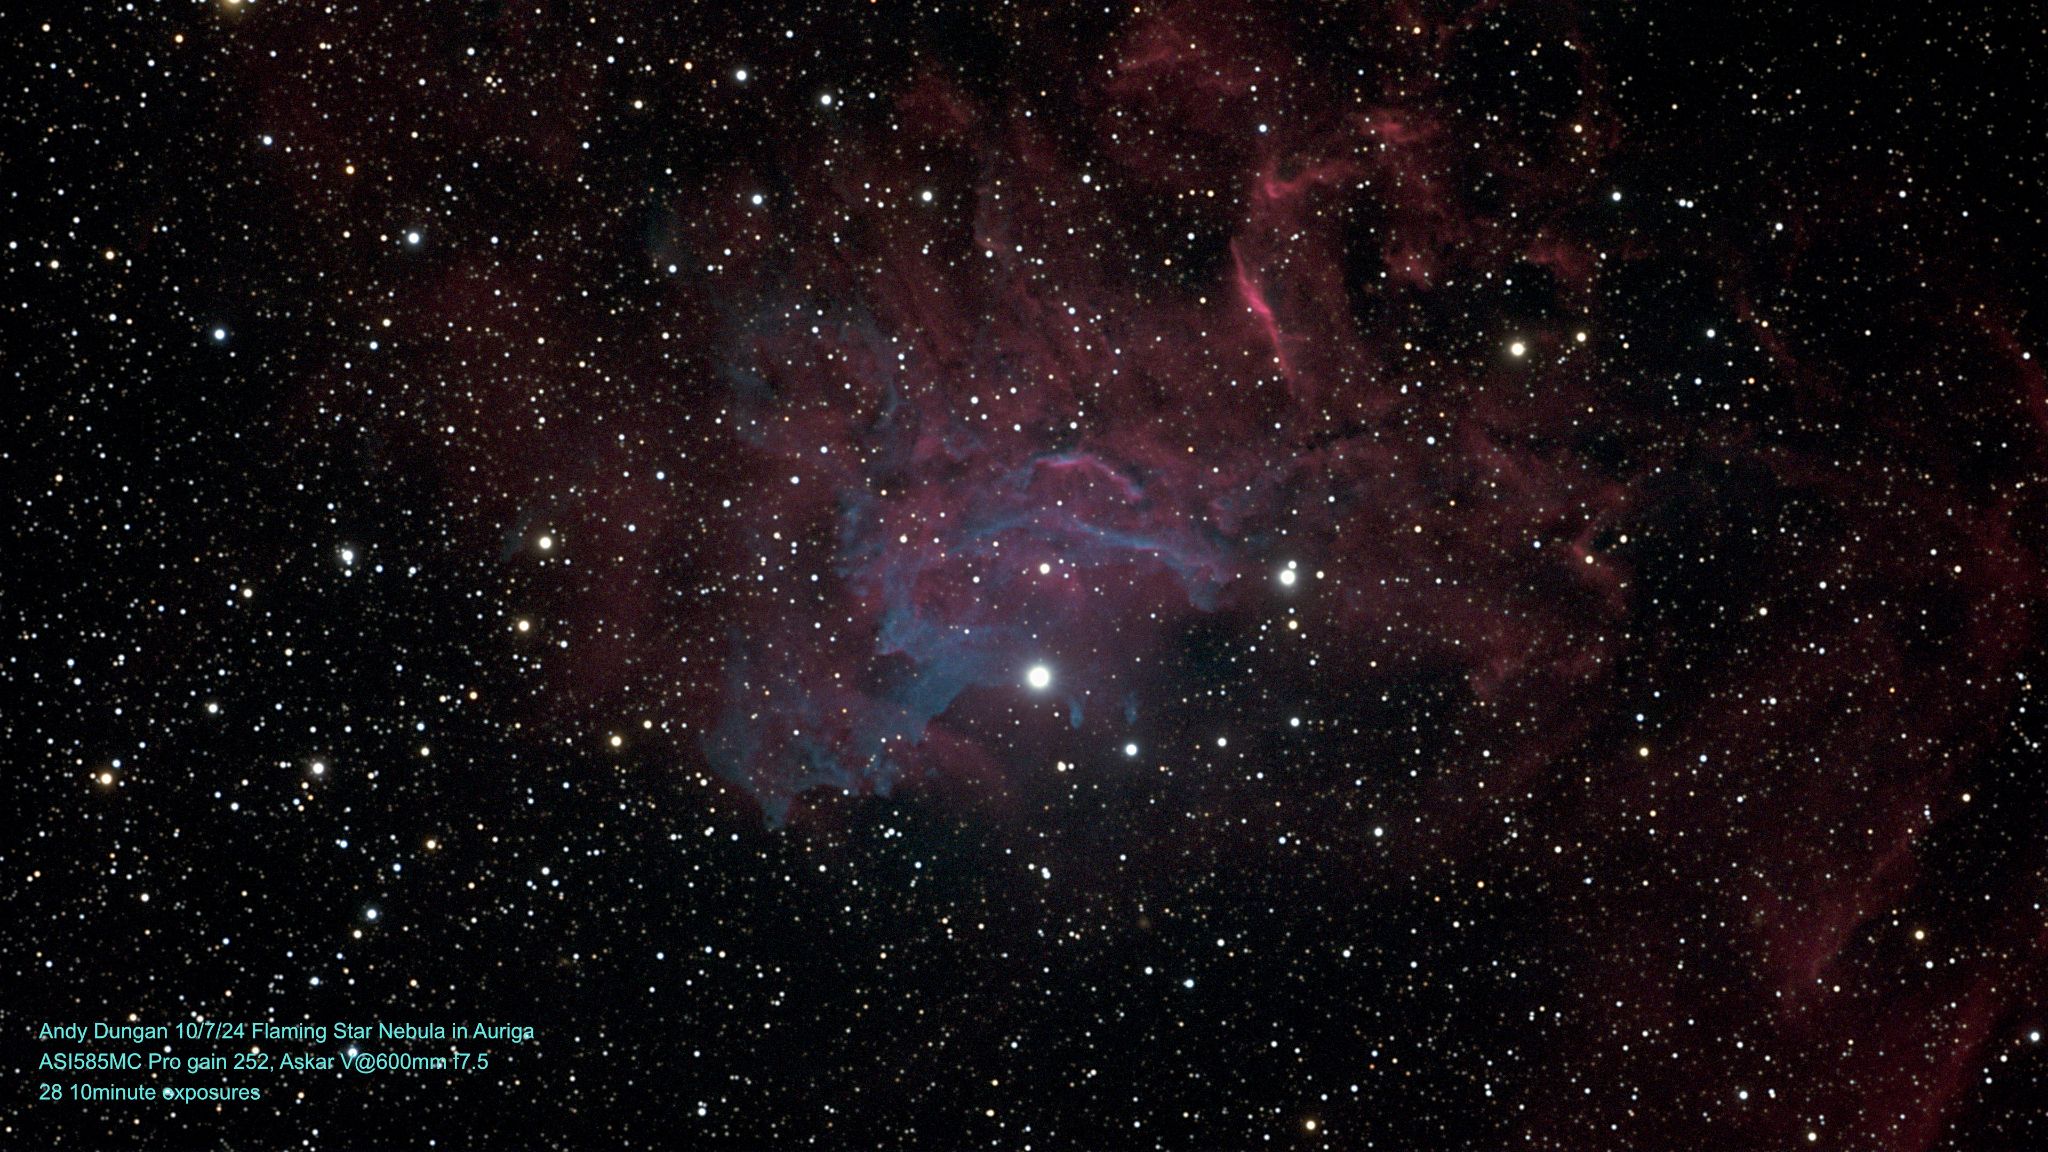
(1512,482)
(978,404)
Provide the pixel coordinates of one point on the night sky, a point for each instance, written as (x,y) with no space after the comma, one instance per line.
(976,575)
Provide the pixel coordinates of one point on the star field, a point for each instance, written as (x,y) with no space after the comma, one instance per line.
(1066,577)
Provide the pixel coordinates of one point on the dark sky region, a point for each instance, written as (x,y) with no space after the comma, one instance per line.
(1081,576)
